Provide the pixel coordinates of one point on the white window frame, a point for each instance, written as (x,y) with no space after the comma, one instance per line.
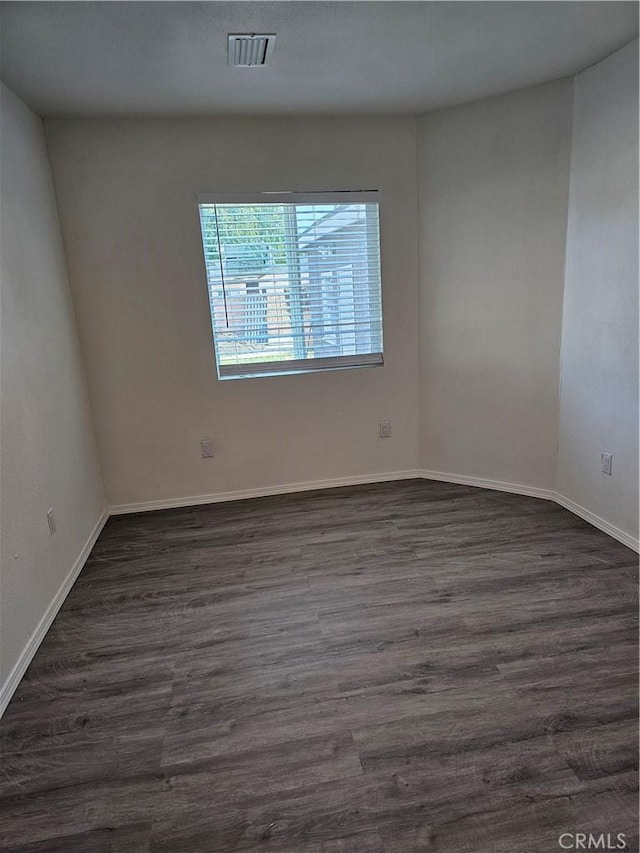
(306,365)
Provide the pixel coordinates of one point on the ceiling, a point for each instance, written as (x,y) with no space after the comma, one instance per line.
(169,58)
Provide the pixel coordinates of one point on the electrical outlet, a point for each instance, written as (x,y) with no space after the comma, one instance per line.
(605,460)
(385,429)
(51,521)
(206,446)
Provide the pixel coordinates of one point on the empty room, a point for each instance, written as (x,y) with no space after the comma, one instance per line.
(319,427)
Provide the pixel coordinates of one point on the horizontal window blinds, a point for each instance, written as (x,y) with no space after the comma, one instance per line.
(294,284)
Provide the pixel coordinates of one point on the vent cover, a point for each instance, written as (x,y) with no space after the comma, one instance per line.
(250,51)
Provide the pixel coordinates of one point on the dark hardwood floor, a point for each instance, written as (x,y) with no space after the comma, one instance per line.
(396,668)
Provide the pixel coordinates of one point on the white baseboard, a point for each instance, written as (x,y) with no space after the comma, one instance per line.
(545,494)
(496,485)
(336,482)
(596,521)
(15,676)
(267,491)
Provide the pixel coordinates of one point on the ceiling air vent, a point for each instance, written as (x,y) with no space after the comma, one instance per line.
(250,51)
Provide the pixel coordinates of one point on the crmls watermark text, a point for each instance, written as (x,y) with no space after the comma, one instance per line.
(584,841)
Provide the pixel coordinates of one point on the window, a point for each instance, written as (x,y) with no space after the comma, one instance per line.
(293,280)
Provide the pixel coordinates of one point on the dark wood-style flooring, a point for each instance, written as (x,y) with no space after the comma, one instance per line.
(395,668)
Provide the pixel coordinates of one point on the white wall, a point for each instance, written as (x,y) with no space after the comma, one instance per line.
(480,400)
(127,198)
(493,186)
(48,452)
(599,400)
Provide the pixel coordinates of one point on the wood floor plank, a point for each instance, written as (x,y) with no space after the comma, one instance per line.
(123,839)
(394,668)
